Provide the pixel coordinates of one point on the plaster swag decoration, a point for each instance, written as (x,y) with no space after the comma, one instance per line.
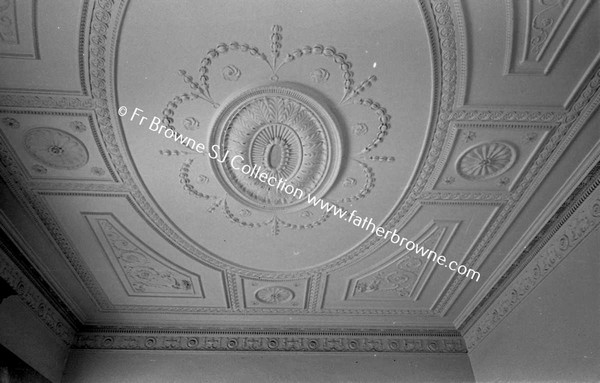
(287,129)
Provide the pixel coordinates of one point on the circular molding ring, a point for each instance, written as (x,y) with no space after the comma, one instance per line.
(486,160)
(56,148)
(284,130)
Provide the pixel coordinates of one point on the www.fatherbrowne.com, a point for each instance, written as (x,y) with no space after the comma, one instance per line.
(237,162)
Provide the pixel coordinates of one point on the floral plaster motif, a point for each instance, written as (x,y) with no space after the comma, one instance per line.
(56,148)
(277,130)
(360,129)
(319,76)
(97,171)
(77,126)
(486,161)
(282,129)
(10,122)
(274,295)
(349,182)
(191,123)
(231,73)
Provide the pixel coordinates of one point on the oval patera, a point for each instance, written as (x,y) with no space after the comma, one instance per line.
(283,130)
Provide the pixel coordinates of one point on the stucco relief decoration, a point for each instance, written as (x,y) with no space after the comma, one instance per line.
(8,22)
(449,180)
(277,130)
(191,123)
(469,136)
(360,129)
(9,122)
(231,73)
(530,137)
(486,161)
(319,76)
(287,129)
(568,236)
(274,295)
(98,172)
(144,274)
(545,19)
(397,279)
(56,148)
(245,213)
(39,169)
(349,182)
(77,126)
(503,181)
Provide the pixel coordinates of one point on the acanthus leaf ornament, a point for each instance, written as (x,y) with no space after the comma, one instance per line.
(283,132)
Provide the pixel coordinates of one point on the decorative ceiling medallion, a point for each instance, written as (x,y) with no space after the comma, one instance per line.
(286,132)
(273,295)
(257,124)
(56,148)
(486,161)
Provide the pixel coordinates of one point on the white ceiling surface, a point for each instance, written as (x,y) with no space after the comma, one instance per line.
(147,251)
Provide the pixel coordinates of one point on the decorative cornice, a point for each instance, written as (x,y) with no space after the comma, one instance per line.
(301,340)
(578,216)
(33,298)
(11,244)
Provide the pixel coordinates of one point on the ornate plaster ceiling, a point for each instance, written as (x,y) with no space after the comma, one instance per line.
(449,121)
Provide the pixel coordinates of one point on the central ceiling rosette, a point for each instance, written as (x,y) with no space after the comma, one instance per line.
(282,132)
(285,129)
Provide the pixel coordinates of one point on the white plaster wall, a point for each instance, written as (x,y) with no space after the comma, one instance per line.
(553,335)
(151,366)
(26,336)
